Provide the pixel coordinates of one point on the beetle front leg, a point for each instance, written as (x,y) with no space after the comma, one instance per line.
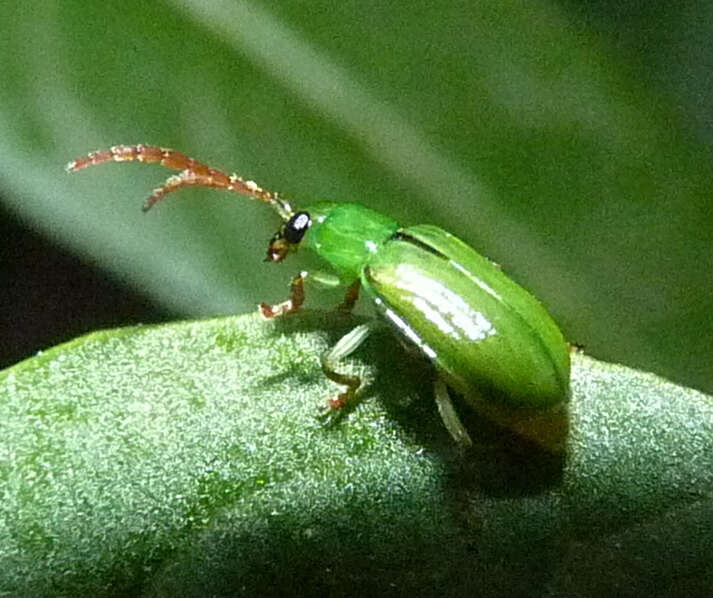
(297,294)
(294,303)
(349,343)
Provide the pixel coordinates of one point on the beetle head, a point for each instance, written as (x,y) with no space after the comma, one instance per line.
(288,237)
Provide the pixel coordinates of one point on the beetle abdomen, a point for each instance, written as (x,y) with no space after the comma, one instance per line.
(481,330)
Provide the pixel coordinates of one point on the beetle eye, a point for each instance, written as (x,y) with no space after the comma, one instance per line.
(289,235)
(296,227)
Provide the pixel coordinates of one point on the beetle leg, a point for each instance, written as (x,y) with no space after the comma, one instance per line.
(297,298)
(297,295)
(449,416)
(351,296)
(346,345)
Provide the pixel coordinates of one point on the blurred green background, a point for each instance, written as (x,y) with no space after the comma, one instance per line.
(570,143)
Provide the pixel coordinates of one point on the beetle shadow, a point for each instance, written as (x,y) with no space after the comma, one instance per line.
(500,463)
(334,324)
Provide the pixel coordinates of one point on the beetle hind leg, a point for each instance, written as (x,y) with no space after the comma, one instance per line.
(449,416)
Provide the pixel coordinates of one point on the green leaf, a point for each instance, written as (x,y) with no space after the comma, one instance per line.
(187,459)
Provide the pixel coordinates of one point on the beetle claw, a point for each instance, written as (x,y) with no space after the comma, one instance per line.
(334,409)
(337,403)
(294,303)
(268,311)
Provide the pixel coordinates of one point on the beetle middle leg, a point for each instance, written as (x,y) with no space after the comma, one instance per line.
(346,345)
(351,296)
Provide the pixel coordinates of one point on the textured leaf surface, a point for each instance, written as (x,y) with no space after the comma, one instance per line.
(524,128)
(187,459)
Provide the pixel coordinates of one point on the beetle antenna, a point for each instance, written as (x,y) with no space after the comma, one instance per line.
(192,174)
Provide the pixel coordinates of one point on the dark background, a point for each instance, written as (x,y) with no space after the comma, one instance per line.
(582,134)
(52,295)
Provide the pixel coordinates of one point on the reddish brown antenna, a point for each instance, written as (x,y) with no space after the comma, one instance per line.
(193,174)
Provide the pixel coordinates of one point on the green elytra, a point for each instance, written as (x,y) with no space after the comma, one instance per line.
(488,338)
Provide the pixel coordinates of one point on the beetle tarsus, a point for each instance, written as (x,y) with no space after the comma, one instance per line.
(294,303)
(338,405)
(332,411)
(338,402)
(269,312)
(343,399)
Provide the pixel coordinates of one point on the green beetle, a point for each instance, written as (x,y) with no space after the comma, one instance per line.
(488,338)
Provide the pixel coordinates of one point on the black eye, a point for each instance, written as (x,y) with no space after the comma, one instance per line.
(296,227)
